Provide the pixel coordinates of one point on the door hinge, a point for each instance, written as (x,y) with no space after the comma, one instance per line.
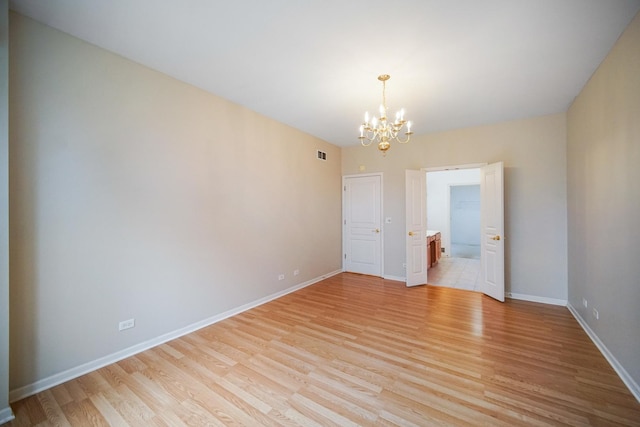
(345,256)
(345,188)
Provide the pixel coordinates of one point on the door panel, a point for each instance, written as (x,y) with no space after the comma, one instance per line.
(362,224)
(492,230)
(416,227)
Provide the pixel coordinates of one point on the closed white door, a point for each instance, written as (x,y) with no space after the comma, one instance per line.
(416,227)
(492,230)
(362,213)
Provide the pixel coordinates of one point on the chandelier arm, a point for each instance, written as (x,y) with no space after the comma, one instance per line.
(406,140)
(366,144)
(370,134)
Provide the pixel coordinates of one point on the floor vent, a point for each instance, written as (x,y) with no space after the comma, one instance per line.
(322,155)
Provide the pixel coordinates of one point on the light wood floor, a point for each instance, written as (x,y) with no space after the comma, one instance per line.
(356,350)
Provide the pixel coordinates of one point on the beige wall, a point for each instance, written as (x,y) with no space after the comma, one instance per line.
(134,195)
(533,152)
(604,201)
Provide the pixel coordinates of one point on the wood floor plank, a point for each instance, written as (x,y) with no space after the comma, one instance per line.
(54,415)
(107,410)
(356,350)
(60,394)
(84,413)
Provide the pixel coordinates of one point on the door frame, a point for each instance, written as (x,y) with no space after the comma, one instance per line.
(344,220)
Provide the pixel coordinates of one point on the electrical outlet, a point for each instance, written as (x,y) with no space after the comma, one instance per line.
(281,277)
(585,303)
(126,324)
(596,314)
(296,272)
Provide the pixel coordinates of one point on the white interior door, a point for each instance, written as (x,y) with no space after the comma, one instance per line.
(492,230)
(362,213)
(416,227)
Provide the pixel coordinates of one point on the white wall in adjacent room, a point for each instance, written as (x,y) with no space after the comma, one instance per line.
(438,198)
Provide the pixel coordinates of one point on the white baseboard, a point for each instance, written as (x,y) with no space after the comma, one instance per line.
(386,277)
(396,278)
(59,378)
(6,415)
(534,298)
(622,373)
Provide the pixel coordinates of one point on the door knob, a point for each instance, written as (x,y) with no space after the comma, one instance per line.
(411,233)
(377,230)
(496,237)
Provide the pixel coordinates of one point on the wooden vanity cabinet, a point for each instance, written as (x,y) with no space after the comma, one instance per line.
(434,251)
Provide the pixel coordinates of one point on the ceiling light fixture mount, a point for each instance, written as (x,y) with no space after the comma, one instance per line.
(380,129)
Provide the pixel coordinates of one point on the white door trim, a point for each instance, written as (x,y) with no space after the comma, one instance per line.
(454,167)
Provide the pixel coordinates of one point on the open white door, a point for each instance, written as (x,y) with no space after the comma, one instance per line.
(492,230)
(362,212)
(416,227)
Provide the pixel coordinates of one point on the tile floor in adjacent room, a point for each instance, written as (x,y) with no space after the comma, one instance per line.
(459,273)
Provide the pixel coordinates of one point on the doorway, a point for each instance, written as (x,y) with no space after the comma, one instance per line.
(464,208)
(453,211)
(362,225)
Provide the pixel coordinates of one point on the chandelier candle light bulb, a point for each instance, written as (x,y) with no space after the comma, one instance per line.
(379,130)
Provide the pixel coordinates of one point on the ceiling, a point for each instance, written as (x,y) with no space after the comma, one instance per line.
(313,64)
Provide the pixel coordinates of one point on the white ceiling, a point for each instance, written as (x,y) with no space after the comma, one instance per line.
(313,64)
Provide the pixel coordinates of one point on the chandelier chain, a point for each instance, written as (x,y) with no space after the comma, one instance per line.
(384,95)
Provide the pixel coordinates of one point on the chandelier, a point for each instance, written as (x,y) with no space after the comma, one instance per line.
(380,129)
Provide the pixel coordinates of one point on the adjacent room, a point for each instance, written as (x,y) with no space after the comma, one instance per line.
(453,218)
(180,242)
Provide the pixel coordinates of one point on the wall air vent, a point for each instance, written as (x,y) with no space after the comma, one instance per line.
(322,155)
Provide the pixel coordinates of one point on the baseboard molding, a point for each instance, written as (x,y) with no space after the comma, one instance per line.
(622,373)
(385,277)
(533,298)
(56,379)
(6,415)
(396,278)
